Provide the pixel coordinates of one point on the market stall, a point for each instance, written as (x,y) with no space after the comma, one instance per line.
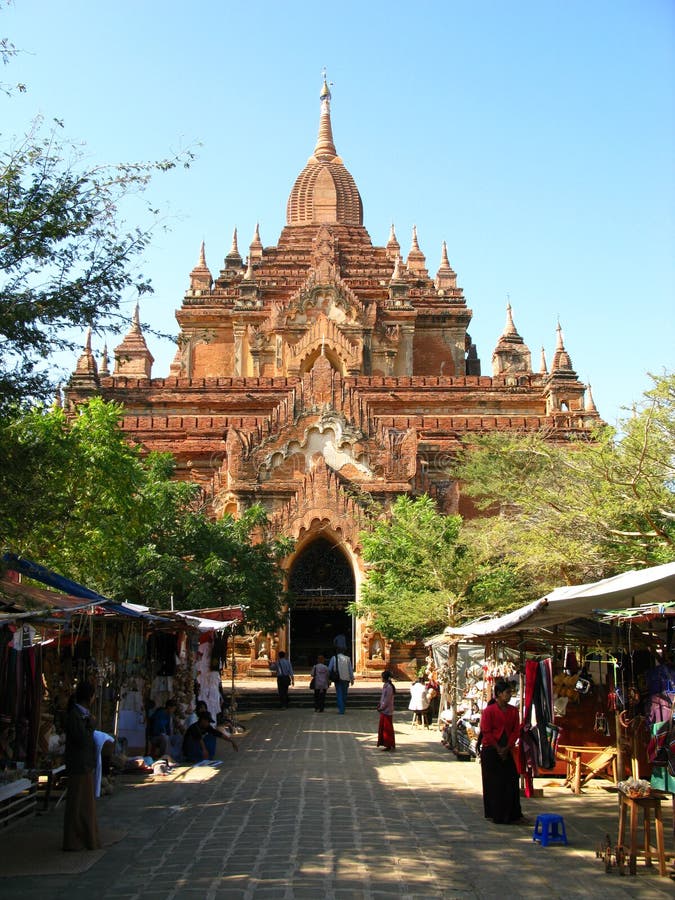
(52,639)
(608,647)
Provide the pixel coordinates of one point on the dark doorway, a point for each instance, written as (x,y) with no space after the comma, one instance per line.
(321,584)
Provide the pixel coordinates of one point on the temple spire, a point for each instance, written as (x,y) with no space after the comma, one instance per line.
(233,259)
(86,369)
(396,274)
(589,405)
(325,147)
(416,261)
(561,358)
(543,368)
(103,369)
(136,319)
(511,355)
(445,277)
(393,247)
(200,276)
(255,250)
(132,357)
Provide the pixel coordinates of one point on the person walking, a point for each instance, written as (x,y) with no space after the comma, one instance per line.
(285,678)
(385,732)
(80,825)
(342,673)
(500,728)
(321,678)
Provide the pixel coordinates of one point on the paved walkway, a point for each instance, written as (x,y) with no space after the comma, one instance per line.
(310,809)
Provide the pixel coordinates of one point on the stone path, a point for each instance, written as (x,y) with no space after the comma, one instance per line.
(310,809)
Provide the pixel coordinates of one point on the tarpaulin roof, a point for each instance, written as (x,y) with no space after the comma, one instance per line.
(71,593)
(647,587)
(215,619)
(206,624)
(31,600)
(45,576)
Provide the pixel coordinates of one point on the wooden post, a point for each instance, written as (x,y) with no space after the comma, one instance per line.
(452,666)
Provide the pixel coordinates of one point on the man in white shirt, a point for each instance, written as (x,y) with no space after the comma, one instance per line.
(342,673)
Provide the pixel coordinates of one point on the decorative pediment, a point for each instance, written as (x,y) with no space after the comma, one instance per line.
(324,336)
(320,503)
(331,439)
(330,295)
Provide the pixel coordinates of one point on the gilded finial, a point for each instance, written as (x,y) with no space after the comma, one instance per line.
(325,146)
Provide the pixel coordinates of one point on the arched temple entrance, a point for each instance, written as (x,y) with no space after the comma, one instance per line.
(320,585)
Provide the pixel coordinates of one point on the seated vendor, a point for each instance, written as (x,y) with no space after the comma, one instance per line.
(199,742)
(165,737)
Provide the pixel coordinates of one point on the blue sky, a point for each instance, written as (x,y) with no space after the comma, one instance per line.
(536,138)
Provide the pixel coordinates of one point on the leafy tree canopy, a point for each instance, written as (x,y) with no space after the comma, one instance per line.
(573,512)
(66,258)
(78,498)
(410,588)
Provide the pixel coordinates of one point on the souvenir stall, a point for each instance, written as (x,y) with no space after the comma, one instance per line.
(30,750)
(596,678)
(51,640)
(597,672)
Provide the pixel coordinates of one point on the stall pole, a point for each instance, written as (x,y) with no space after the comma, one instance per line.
(452,666)
(233,696)
(620,761)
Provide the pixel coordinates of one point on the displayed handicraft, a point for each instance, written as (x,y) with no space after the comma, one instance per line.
(635,788)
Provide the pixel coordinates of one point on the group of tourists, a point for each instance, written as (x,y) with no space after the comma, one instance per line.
(340,672)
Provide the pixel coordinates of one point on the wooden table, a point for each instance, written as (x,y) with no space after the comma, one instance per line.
(632,806)
(584,763)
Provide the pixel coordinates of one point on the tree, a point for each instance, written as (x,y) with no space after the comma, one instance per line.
(187,559)
(578,511)
(77,497)
(68,495)
(416,570)
(66,257)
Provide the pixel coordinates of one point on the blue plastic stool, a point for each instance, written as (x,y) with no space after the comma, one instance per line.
(549,829)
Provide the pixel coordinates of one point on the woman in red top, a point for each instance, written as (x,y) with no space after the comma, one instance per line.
(385,733)
(500,727)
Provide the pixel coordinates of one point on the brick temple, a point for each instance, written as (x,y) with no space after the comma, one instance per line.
(319,370)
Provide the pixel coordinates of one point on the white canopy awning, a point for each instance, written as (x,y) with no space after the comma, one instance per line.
(654,587)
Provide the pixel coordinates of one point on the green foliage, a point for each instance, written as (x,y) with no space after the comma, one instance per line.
(78,498)
(577,511)
(410,589)
(66,256)
(189,560)
(68,498)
